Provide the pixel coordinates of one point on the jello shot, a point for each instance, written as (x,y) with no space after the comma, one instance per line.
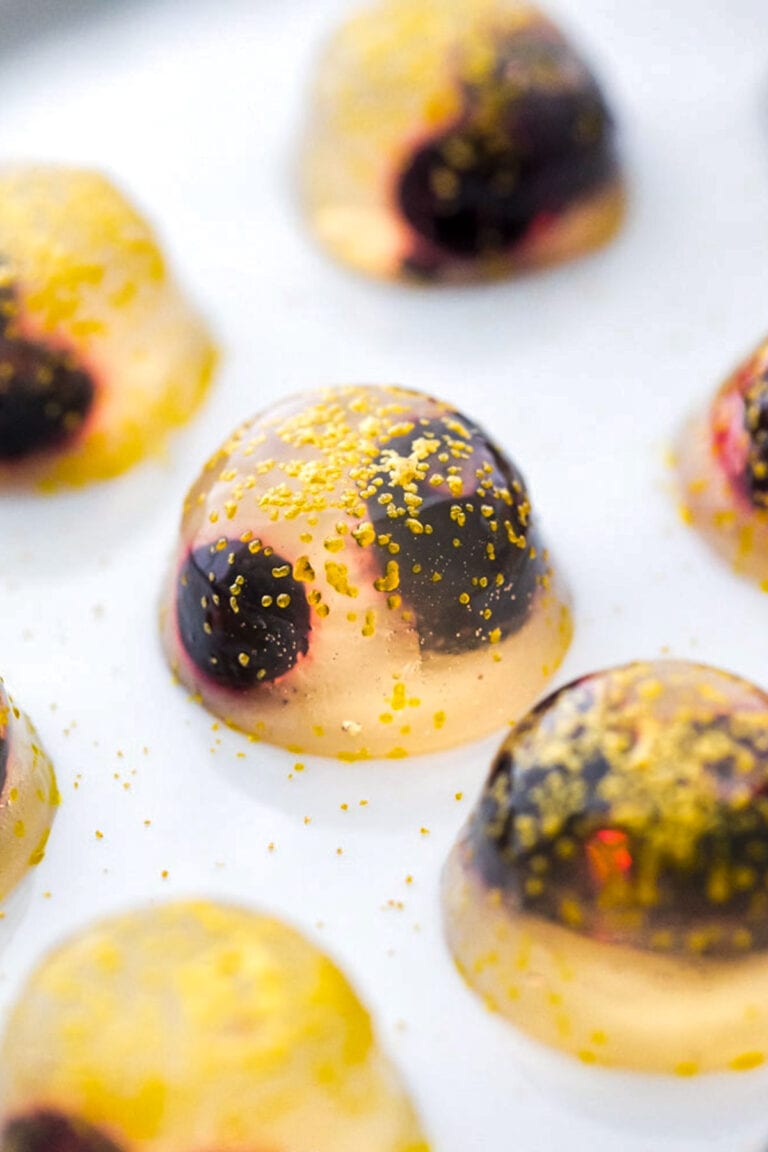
(723,464)
(454,140)
(360,573)
(609,894)
(29,795)
(101,355)
(196,1025)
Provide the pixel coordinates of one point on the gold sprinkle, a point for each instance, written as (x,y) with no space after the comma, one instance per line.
(364,534)
(746,1061)
(391,580)
(369,628)
(337,576)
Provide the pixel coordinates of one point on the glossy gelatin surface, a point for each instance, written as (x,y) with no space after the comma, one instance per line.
(100,355)
(196,1026)
(359,573)
(28,795)
(458,139)
(609,894)
(723,460)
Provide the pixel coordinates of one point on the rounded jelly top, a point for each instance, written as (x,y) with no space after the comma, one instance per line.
(139,1013)
(632,806)
(372,494)
(100,355)
(449,137)
(531,136)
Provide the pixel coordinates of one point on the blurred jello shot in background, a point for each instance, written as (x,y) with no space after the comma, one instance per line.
(100,353)
(359,572)
(196,1025)
(29,795)
(722,457)
(457,140)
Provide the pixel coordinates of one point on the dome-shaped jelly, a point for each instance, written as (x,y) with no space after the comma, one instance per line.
(196,1026)
(609,894)
(100,355)
(29,796)
(723,463)
(359,573)
(457,139)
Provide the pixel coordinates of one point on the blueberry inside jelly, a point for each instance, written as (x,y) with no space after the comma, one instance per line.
(468,566)
(44,397)
(529,142)
(242,617)
(569,838)
(53,1132)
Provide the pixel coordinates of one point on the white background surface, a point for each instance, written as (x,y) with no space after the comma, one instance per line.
(584,374)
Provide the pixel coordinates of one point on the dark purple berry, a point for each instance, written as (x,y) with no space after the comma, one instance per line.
(532,139)
(472,571)
(601,874)
(242,617)
(44,396)
(53,1132)
(475,216)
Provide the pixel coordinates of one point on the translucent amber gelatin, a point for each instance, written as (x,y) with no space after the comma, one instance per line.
(609,894)
(359,573)
(458,139)
(28,795)
(723,462)
(100,355)
(196,1026)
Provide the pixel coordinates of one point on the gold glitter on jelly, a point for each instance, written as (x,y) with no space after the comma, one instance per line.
(382,562)
(614,872)
(197,1025)
(457,140)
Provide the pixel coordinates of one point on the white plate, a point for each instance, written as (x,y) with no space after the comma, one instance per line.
(583,373)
